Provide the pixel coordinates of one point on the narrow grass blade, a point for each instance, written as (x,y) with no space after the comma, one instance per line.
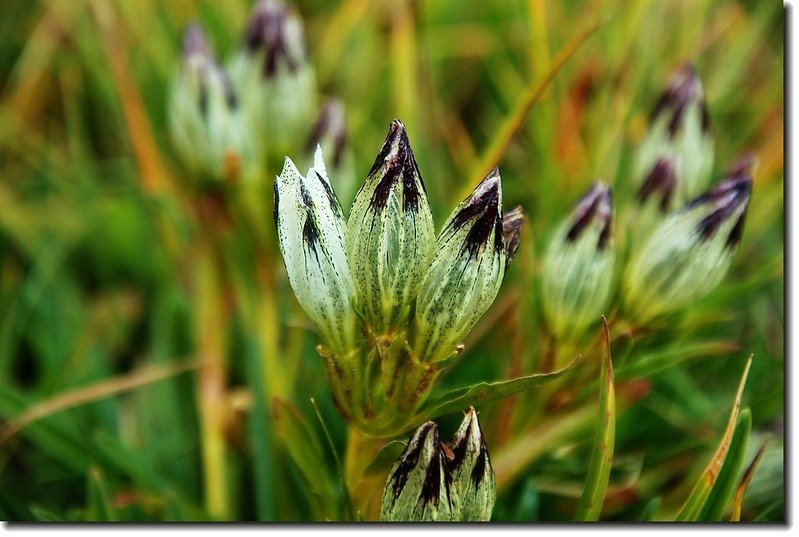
(305,449)
(716,505)
(99,507)
(649,511)
(514,122)
(483,392)
(260,432)
(696,501)
(740,491)
(596,485)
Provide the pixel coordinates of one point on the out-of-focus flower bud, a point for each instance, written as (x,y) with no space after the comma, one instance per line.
(419,486)
(465,274)
(471,470)
(310,229)
(578,267)
(679,134)
(330,132)
(205,118)
(689,253)
(390,234)
(276,83)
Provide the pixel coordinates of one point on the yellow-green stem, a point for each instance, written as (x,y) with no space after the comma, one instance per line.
(210,332)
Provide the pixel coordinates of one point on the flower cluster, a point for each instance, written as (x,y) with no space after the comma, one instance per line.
(230,123)
(681,243)
(391,301)
(432,481)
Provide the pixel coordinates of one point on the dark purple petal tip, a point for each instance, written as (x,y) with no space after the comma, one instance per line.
(596,205)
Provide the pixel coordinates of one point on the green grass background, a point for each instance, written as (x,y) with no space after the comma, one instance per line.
(109,315)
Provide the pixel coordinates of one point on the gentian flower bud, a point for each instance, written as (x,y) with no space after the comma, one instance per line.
(390,234)
(419,486)
(689,253)
(578,267)
(330,132)
(471,470)
(310,229)
(275,81)
(465,274)
(205,119)
(679,134)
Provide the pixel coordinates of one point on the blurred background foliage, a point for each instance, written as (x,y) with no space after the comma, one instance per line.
(142,380)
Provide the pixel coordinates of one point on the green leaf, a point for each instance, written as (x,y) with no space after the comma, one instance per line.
(260,433)
(483,392)
(716,505)
(98,506)
(307,452)
(596,485)
(648,364)
(703,488)
(740,490)
(387,456)
(650,510)
(527,507)
(44,514)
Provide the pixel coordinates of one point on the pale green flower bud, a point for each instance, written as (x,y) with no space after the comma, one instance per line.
(276,83)
(310,229)
(679,133)
(205,118)
(330,132)
(691,251)
(471,470)
(465,274)
(419,486)
(656,197)
(578,267)
(390,234)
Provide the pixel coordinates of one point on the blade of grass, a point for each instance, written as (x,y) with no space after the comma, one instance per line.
(337,459)
(260,432)
(596,485)
(92,393)
(99,507)
(716,505)
(696,500)
(305,449)
(740,491)
(483,392)
(515,120)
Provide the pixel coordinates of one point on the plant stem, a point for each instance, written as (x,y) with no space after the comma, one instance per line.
(210,332)
(365,491)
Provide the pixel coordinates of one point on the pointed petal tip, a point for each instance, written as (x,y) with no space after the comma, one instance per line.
(289,168)
(319,161)
(491,183)
(744,166)
(195,41)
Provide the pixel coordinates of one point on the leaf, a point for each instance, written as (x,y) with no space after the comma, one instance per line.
(704,486)
(44,514)
(740,491)
(305,449)
(483,392)
(716,504)
(515,120)
(647,365)
(650,510)
(527,507)
(98,506)
(387,456)
(596,485)
(261,435)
